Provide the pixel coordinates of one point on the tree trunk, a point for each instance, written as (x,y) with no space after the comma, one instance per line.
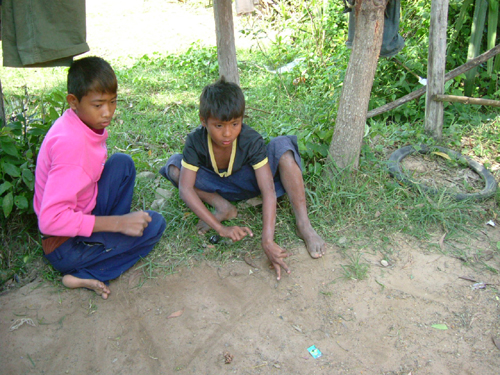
(226,47)
(436,64)
(353,105)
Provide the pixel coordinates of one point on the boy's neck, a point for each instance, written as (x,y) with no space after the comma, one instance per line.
(97,131)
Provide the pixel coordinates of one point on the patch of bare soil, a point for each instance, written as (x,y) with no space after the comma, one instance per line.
(432,170)
(236,318)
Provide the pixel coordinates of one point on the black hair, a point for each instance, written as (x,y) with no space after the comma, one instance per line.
(222,100)
(91,74)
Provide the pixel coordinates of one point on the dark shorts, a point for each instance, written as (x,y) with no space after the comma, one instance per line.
(242,184)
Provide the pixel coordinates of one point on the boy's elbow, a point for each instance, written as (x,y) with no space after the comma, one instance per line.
(182,193)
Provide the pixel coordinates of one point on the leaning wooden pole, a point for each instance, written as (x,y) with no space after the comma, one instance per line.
(466,100)
(436,66)
(450,75)
(226,46)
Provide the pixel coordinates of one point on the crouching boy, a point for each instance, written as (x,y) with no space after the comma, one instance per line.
(83,200)
(225,160)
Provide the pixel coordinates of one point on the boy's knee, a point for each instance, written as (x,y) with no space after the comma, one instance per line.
(121,160)
(287,157)
(174,173)
(158,223)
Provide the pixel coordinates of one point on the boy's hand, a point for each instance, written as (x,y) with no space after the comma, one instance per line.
(235,233)
(133,224)
(276,254)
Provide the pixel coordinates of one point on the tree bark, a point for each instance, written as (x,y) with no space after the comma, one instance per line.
(345,148)
(436,68)
(226,47)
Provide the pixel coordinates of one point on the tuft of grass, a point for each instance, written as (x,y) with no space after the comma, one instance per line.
(356,269)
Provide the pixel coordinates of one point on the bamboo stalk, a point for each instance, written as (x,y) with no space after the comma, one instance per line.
(466,100)
(492,29)
(476,35)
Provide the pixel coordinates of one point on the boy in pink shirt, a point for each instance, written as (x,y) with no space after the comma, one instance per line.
(83,200)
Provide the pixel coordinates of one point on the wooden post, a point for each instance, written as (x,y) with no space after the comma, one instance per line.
(436,68)
(226,47)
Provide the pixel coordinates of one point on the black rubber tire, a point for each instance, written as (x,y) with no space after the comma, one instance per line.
(397,156)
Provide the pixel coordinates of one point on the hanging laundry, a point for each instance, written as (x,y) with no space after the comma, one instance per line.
(244,6)
(43,32)
(392,42)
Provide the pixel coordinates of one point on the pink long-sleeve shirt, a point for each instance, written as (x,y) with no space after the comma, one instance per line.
(69,165)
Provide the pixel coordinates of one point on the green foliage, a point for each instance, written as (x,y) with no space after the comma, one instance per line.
(19,144)
(158,106)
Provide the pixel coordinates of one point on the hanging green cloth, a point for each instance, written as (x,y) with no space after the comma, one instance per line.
(392,42)
(41,33)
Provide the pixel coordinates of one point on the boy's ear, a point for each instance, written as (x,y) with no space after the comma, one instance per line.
(72,101)
(203,122)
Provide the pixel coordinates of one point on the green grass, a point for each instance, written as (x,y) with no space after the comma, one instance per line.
(158,105)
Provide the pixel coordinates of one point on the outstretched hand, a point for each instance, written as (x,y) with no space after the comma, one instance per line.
(133,224)
(276,255)
(235,233)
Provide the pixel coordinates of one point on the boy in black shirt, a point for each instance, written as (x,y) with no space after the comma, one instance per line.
(225,160)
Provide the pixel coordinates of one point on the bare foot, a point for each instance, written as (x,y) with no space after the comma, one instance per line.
(97,286)
(223,211)
(314,243)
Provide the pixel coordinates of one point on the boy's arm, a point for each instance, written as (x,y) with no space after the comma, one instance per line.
(273,251)
(187,193)
(131,224)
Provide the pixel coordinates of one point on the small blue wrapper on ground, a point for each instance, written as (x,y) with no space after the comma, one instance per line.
(314,351)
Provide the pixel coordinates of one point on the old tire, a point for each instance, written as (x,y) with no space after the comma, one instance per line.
(397,156)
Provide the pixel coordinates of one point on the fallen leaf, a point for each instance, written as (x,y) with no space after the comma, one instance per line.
(377,214)
(442,154)
(496,341)
(228,358)
(254,202)
(176,314)
(439,326)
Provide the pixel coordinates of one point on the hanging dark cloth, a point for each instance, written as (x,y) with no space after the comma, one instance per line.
(41,33)
(392,42)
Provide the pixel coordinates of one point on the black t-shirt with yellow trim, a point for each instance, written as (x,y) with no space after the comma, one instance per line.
(248,149)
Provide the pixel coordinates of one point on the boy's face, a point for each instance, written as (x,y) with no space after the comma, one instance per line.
(223,133)
(95,109)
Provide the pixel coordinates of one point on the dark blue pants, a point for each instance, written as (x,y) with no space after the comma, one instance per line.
(242,184)
(105,256)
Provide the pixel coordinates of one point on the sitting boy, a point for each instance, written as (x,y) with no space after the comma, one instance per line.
(225,160)
(83,201)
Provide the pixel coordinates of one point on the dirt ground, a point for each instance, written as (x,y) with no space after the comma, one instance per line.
(196,320)
(188,322)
